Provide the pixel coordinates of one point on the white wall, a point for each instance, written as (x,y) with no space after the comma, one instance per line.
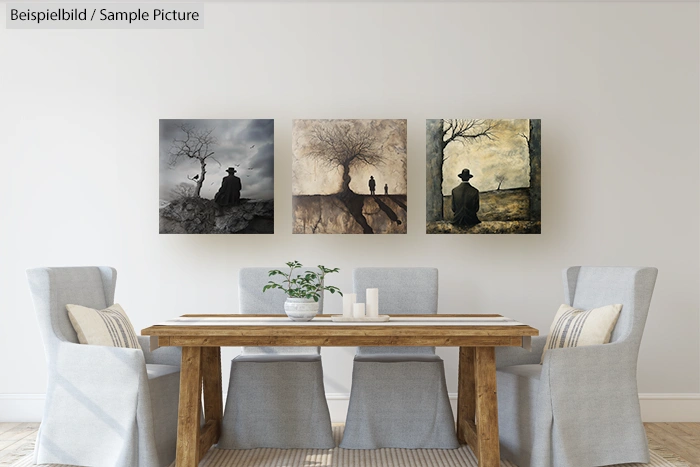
(616,87)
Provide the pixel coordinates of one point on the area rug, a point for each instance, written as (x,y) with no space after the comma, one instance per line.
(462,457)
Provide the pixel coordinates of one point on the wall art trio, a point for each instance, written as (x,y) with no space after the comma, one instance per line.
(483,176)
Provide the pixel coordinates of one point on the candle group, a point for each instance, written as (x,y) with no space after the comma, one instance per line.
(352,309)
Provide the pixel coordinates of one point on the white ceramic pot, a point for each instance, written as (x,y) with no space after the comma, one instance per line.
(300,309)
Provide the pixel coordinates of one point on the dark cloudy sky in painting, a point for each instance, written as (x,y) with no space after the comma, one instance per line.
(246,145)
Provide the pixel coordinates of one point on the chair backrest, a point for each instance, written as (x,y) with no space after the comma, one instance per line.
(54,288)
(252,300)
(401,291)
(589,287)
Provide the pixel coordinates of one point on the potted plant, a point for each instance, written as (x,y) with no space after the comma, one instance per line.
(303,289)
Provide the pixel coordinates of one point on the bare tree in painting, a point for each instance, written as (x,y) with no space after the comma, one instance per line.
(500,178)
(343,145)
(183,190)
(196,144)
(534,146)
(346,145)
(439,134)
(465,130)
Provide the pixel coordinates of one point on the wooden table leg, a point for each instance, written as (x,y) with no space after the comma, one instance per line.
(213,402)
(489,454)
(190,408)
(466,398)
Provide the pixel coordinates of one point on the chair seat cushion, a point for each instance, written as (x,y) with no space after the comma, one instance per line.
(400,350)
(274,358)
(155,370)
(393,358)
(277,350)
(532,371)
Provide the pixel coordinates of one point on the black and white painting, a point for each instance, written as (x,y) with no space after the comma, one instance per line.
(216,176)
(483,176)
(349,176)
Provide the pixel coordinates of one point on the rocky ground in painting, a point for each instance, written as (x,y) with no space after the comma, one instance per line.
(487,227)
(354,214)
(203,216)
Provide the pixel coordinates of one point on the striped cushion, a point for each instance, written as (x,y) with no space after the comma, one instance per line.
(573,327)
(110,327)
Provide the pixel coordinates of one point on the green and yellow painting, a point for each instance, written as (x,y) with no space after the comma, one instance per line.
(483,176)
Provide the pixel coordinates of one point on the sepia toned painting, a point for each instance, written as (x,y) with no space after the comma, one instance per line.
(216,176)
(349,176)
(483,176)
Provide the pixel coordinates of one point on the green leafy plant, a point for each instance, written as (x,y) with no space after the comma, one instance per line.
(307,284)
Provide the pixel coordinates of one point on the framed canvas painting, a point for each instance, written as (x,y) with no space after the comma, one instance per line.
(349,176)
(483,176)
(216,176)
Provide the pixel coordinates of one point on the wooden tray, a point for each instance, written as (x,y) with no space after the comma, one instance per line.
(342,319)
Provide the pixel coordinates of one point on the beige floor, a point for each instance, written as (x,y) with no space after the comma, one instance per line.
(681,439)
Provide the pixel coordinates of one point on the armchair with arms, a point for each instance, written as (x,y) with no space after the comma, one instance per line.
(581,405)
(105,406)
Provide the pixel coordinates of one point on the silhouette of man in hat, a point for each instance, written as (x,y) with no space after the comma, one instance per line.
(372,185)
(386,188)
(230,192)
(465,201)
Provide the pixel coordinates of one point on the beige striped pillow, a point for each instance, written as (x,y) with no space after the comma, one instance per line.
(573,327)
(110,327)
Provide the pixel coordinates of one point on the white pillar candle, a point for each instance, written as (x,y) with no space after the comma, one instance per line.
(349,300)
(358,310)
(372,303)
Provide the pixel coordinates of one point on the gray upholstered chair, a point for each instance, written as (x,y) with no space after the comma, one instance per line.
(399,396)
(104,405)
(276,397)
(581,406)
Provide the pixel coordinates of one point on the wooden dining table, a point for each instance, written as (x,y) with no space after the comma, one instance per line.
(202,336)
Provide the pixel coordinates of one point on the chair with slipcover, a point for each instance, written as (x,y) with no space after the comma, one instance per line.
(276,396)
(399,396)
(104,405)
(580,407)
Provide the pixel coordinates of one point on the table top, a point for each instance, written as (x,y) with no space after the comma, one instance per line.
(326,320)
(419,330)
